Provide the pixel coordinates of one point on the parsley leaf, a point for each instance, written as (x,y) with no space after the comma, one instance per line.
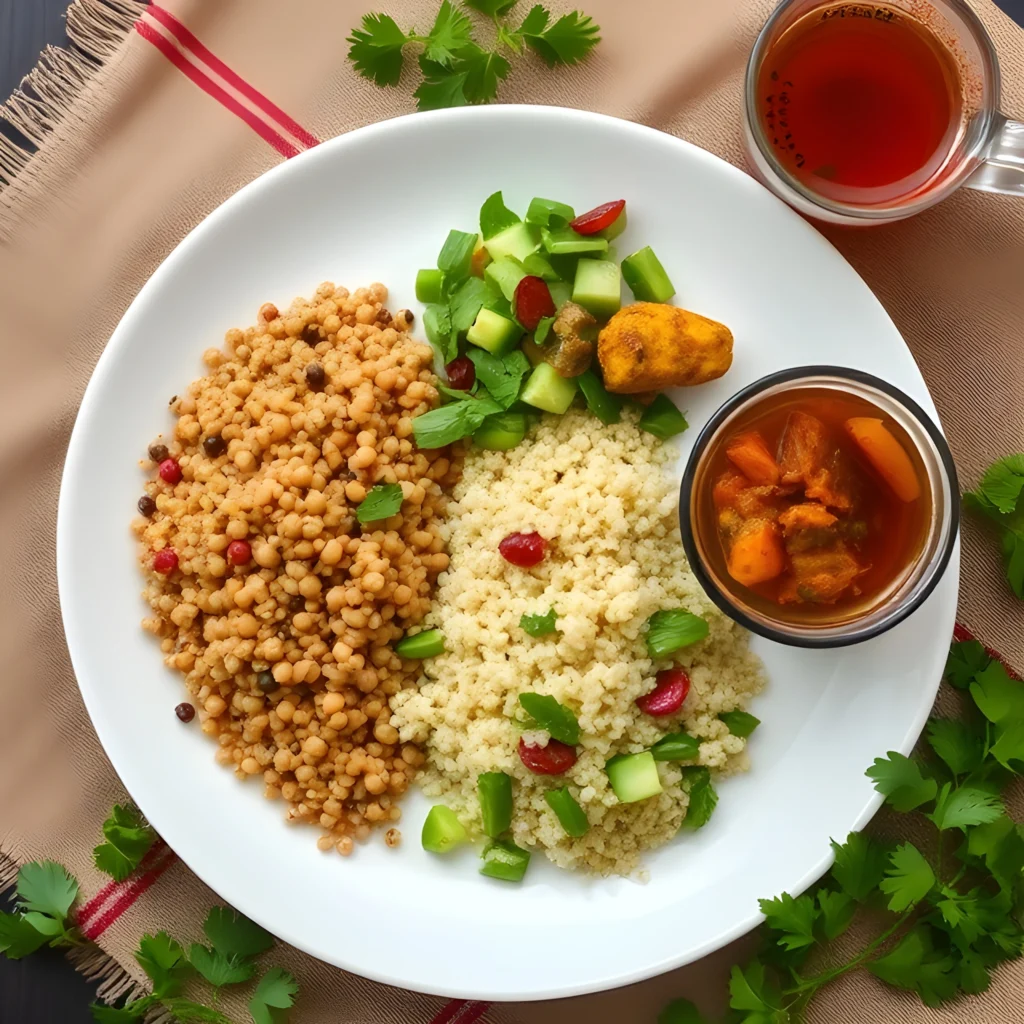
(680,1011)
(219,968)
(46,887)
(837,911)
(966,659)
(739,723)
(441,87)
(449,423)
(484,70)
(492,8)
(859,865)
(495,216)
(998,697)
(998,499)
(549,714)
(134,1011)
(963,807)
(164,962)
(539,625)
(1008,748)
(451,31)
(909,879)
(234,934)
(128,838)
(703,798)
(900,781)
(672,629)
(793,918)
(376,50)
(961,748)
(276,991)
(501,375)
(915,964)
(751,990)
(17,936)
(1003,483)
(381,502)
(567,41)
(194,1013)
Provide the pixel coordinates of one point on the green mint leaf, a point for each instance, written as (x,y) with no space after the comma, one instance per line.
(671,630)
(837,911)
(441,87)
(964,807)
(539,625)
(451,31)
(959,746)
(381,502)
(376,50)
(966,659)
(17,936)
(909,879)
(676,746)
(484,71)
(187,1012)
(466,301)
(914,964)
(163,960)
(219,968)
(454,393)
(47,887)
(1003,483)
(1008,748)
(437,322)
(554,717)
(567,41)
(501,375)
(492,8)
(442,426)
(128,838)
(739,723)
(681,1011)
(495,216)
(998,696)
(859,866)
(233,934)
(703,798)
(793,919)
(274,994)
(900,781)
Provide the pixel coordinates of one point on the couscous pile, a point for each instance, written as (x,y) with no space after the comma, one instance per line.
(602,499)
(277,604)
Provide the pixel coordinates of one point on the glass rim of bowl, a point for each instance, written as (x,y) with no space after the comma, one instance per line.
(923,574)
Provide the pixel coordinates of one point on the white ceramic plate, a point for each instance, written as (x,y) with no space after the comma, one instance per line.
(375,205)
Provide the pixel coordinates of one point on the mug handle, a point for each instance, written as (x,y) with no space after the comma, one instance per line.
(1003,169)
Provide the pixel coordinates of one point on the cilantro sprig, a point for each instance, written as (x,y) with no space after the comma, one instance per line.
(948,910)
(1000,499)
(455,68)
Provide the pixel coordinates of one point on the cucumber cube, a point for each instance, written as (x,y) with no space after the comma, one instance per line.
(517,241)
(616,227)
(597,288)
(493,332)
(560,242)
(505,274)
(546,390)
(633,777)
(646,276)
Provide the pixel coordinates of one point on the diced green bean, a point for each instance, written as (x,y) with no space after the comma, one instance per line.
(442,830)
(503,859)
(426,644)
(495,792)
(570,815)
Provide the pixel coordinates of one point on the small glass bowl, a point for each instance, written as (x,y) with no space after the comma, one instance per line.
(917,581)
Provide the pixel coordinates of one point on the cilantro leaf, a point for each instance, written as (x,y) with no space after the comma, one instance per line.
(672,629)
(837,911)
(163,960)
(449,423)
(751,990)
(703,798)
(1011,531)
(963,807)
(909,879)
(1008,748)
(680,1011)
(793,918)
(44,924)
(134,1011)
(492,8)
(376,50)
(567,41)
(960,747)
(381,502)
(484,70)
(1003,483)
(914,964)
(501,375)
(219,968)
(234,934)
(466,301)
(128,838)
(551,715)
(495,216)
(739,723)
(276,991)
(194,1013)
(539,625)
(17,936)
(1000,844)
(441,87)
(900,781)
(47,887)
(998,696)
(859,865)
(966,659)
(451,31)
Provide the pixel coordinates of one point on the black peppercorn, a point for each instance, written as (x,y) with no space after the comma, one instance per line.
(147,506)
(214,446)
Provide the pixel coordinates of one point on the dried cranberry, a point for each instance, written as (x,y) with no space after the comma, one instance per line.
(165,562)
(461,373)
(554,759)
(185,711)
(170,471)
(523,549)
(599,218)
(147,506)
(671,686)
(239,552)
(532,302)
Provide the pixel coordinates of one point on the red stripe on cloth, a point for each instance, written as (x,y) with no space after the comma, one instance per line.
(125,900)
(449,1011)
(87,910)
(474,1012)
(961,633)
(210,87)
(271,109)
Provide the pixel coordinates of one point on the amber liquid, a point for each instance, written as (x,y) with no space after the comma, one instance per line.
(895,531)
(856,99)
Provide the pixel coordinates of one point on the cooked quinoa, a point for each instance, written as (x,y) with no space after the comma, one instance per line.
(277,605)
(602,497)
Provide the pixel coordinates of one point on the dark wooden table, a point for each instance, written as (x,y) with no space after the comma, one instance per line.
(43,988)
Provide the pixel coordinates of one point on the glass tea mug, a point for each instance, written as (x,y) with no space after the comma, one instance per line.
(987,152)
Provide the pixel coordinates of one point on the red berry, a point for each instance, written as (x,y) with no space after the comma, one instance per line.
(532,302)
(165,562)
(461,373)
(671,686)
(523,549)
(170,471)
(239,552)
(599,218)
(554,759)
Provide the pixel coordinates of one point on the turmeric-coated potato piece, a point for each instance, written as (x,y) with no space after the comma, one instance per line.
(650,346)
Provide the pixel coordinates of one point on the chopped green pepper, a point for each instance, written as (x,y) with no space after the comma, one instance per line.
(570,815)
(495,792)
(503,859)
(442,830)
(426,644)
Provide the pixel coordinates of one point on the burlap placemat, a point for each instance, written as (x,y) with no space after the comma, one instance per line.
(141,132)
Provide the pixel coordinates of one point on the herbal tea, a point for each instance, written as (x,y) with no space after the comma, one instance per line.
(860,98)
